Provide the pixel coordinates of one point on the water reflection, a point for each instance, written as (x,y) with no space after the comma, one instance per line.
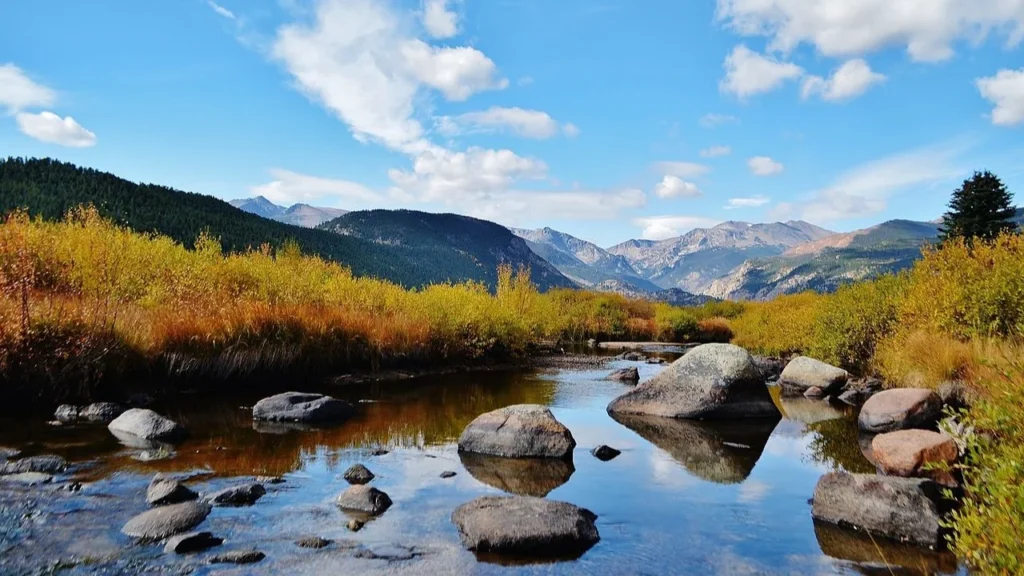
(880,556)
(522,476)
(719,451)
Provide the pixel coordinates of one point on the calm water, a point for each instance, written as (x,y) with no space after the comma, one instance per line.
(683,498)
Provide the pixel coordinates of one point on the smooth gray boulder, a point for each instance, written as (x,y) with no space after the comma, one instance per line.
(191,542)
(366,499)
(165,521)
(358,474)
(525,526)
(631,374)
(101,412)
(163,491)
(900,409)
(902,509)
(46,463)
(803,373)
(242,495)
(147,425)
(301,407)
(711,381)
(519,431)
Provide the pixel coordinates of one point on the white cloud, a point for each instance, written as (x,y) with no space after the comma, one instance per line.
(750,202)
(711,119)
(457,72)
(525,81)
(748,73)
(49,127)
(681,169)
(221,10)
(928,29)
(526,123)
(289,187)
(851,79)
(570,130)
(662,227)
(1006,91)
(715,151)
(18,91)
(439,21)
(675,187)
(513,207)
(764,166)
(440,174)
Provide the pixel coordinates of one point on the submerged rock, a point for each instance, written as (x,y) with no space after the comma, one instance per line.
(522,476)
(28,478)
(355,524)
(366,499)
(520,431)
(6,453)
(165,521)
(46,463)
(447,474)
(163,491)
(605,453)
(314,542)
(631,374)
(147,425)
(710,381)
(860,548)
(525,526)
(900,409)
(302,407)
(238,557)
(902,509)
(242,495)
(358,474)
(909,453)
(632,356)
(191,542)
(804,372)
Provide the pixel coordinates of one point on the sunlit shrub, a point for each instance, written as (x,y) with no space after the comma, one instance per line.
(781,326)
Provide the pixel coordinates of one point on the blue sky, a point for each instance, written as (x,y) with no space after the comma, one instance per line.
(608,119)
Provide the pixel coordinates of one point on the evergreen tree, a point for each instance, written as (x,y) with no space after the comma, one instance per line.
(981,208)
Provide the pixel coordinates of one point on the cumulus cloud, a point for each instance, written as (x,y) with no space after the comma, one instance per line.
(851,79)
(675,187)
(289,187)
(662,227)
(681,169)
(221,10)
(440,174)
(526,123)
(928,30)
(439,20)
(711,119)
(748,73)
(749,202)
(715,151)
(514,207)
(764,166)
(457,72)
(18,91)
(49,127)
(1006,91)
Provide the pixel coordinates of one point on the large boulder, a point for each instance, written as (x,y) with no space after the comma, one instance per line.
(803,373)
(900,409)
(163,491)
(711,381)
(159,523)
(66,413)
(365,499)
(520,431)
(101,412)
(522,476)
(631,374)
(525,526)
(147,425)
(902,509)
(301,407)
(909,453)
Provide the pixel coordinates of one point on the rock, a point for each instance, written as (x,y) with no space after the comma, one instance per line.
(379,452)
(66,413)
(632,356)
(355,525)
(191,542)
(525,526)
(242,495)
(710,381)
(270,479)
(302,407)
(592,343)
(863,550)
(858,391)
(813,392)
(165,521)
(522,476)
(28,478)
(770,368)
(907,452)
(956,394)
(6,453)
(314,542)
(147,425)
(605,453)
(238,557)
(358,474)
(447,474)
(163,491)
(101,412)
(900,409)
(625,375)
(804,372)
(361,498)
(46,463)
(520,431)
(655,360)
(902,509)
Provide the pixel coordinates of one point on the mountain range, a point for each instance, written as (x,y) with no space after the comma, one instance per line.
(296,214)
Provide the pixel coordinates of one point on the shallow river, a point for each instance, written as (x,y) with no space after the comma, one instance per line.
(682,498)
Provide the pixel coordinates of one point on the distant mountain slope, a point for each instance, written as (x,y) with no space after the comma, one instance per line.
(584,262)
(673,296)
(297,214)
(467,246)
(49,188)
(694,260)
